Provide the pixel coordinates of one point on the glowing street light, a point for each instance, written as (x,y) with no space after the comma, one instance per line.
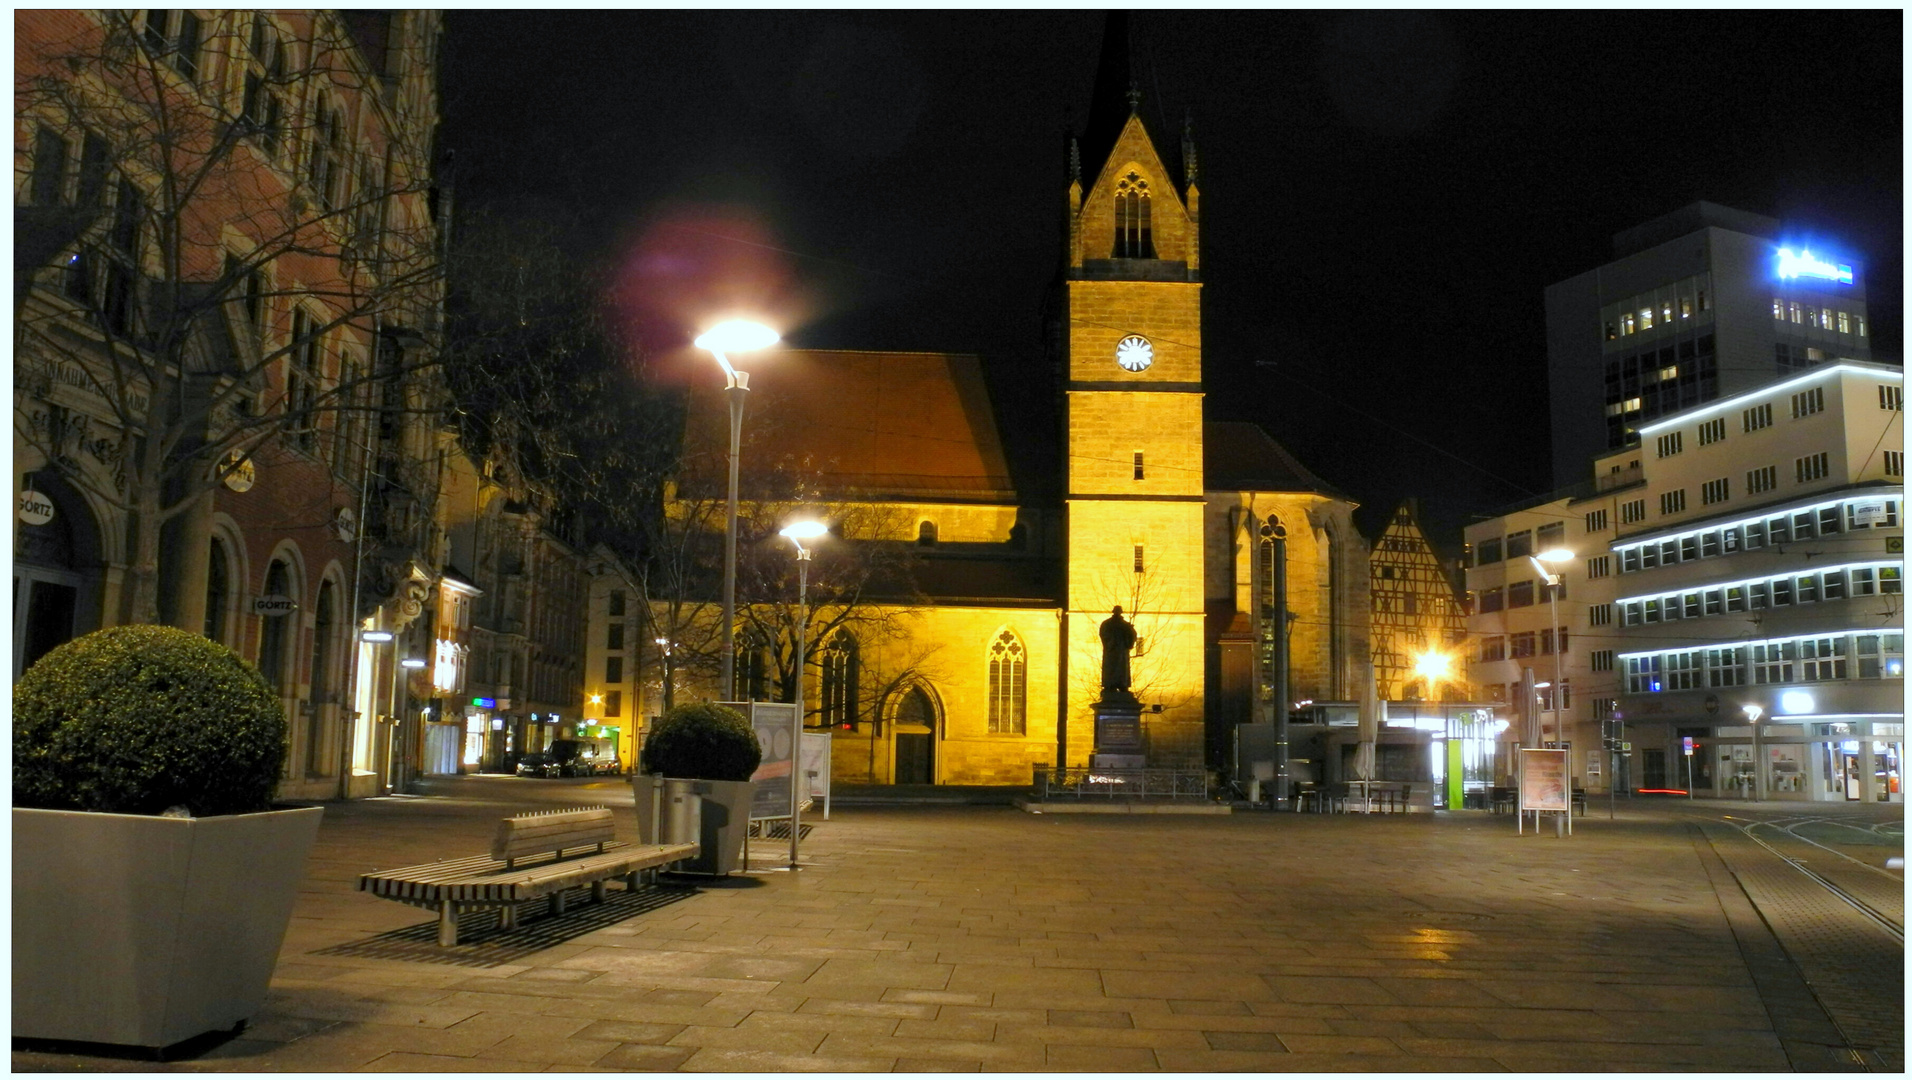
(1556,557)
(797,532)
(1433,666)
(736,335)
(1752,720)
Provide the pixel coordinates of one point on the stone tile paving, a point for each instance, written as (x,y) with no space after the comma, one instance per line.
(984,939)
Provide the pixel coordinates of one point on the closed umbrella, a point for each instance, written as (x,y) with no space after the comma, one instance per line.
(1369,729)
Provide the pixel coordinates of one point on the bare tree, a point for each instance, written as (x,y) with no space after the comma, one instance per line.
(229,258)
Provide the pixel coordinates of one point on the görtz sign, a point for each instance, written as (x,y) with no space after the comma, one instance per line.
(274,605)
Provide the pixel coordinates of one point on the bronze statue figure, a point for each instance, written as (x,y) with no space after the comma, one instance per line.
(1118,640)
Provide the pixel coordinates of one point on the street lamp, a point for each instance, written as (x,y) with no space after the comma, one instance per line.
(1433,667)
(1558,557)
(736,335)
(797,532)
(1752,720)
(664,647)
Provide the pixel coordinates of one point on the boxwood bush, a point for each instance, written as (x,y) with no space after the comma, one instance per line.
(140,719)
(703,741)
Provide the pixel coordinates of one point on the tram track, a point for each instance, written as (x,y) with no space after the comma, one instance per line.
(1871,891)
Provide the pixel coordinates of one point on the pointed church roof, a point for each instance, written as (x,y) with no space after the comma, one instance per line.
(1116,98)
(909,426)
(1242,457)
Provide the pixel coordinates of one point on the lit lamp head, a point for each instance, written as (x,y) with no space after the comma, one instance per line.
(412,662)
(1432,665)
(1752,713)
(597,699)
(735,336)
(799,531)
(1552,557)
(377,637)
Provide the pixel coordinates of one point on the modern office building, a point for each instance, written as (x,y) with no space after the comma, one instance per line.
(1702,303)
(1758,577)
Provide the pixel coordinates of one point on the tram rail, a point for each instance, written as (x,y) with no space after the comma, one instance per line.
(1894,926)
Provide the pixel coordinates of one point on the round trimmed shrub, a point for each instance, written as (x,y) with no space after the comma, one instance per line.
(704,741)
(139,719)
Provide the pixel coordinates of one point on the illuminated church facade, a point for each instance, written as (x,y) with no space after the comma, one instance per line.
(1026,516)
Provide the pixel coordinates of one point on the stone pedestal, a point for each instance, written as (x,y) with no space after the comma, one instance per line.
(1118,733)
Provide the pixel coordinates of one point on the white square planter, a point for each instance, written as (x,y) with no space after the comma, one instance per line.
(145,931)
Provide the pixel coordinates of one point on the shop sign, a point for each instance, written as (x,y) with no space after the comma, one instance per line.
(344,523)
(274,605)
(35,508)
(485,702)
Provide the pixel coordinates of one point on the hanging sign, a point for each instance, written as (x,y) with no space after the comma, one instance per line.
(237,472)
(35,508)
(344,523)
(274,605)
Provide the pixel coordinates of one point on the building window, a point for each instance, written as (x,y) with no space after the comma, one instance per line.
(1646,318)
(1807,402)
(1634,511)
(1520,594)
(1600,615)
(1599,566)
(614,638)
(1549,637)
(1520,544)
(1795,313)
(1811,467)
(175,34)
(1520,646)
(752,672)
(614,669)
(218,591)
(1892,398)
(1669,444)
(1714,491)
(1492,599)
(1762,480)
(840,671)
(1672,502)
(1601,660)
(301,382)
(1138,464)
(1712,431)
(1861,321)
(1007,686)
(926,533)
(1133,232)
(1492,649)
(1550,536)
(1488,552)
(1845,323)
(1895,463)
(613,704)
(265,75)
(1822,659)
(617,603)
(1779,309)
(275,648)
(1138,558)
(1596,521)
(1757,417)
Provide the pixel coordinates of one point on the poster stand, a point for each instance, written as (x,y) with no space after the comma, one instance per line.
(1544,788)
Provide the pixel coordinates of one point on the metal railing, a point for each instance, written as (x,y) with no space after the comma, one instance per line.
(1175,785)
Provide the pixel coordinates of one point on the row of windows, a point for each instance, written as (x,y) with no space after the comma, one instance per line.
(1809,659)
(1522,645)
(1666,306)
(1835,583)
(1819,318)
(1520,545)
(1518,594)
(1805,470)
(1544,694)
(1803,524)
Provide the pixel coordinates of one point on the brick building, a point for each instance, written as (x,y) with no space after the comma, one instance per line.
(254,294)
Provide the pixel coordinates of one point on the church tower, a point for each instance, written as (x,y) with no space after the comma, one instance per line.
(1132,389)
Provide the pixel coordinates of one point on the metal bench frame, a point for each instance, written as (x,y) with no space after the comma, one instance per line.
(527,862)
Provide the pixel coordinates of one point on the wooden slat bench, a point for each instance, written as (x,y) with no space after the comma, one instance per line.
(528,860)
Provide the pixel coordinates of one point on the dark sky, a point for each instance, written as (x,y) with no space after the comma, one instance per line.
(1384,196)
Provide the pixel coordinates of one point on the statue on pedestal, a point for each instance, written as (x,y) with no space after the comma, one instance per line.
(1118,640)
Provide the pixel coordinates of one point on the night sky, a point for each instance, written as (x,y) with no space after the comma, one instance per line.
(1384,196)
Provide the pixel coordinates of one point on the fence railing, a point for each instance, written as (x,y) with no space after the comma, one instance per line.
(1179,785)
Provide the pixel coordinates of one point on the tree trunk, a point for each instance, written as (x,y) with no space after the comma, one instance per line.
(144,565)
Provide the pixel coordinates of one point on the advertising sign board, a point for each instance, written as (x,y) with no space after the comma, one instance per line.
(776,726)
(1543,780)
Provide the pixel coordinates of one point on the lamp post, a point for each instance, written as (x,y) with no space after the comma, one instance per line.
(797,532)
(664,647)
(1752,720)
(1556,556)
(736,335)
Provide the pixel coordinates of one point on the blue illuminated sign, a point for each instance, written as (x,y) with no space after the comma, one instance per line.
(485,702)
(1802,263)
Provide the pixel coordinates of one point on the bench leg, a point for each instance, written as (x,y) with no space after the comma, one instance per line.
(508,917)
(557,902)
(447,922)
(597,892)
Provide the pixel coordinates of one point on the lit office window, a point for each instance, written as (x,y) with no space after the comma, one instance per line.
(1845,323)
(1779,309)
(1794,312)
(1646,318)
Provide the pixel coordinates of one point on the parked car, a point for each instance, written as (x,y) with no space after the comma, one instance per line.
(585,757)
(539,764)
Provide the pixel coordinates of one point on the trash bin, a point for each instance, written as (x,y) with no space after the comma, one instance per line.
(677,807)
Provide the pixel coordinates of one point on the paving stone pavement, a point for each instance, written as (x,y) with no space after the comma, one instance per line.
(965,938)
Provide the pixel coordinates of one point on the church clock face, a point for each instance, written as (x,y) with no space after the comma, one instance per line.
(1134,353)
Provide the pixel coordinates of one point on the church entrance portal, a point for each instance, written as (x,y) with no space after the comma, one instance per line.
(915,736)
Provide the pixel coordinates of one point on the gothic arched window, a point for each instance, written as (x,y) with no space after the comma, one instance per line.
(275,648)
(1134,238)
(839,682)
(1007,686)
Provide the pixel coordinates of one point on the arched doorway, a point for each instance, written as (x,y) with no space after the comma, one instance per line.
(914,733)
(56,574)
(324,700)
